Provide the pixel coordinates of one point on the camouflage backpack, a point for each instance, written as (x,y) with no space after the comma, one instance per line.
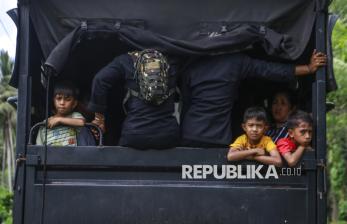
(151,75)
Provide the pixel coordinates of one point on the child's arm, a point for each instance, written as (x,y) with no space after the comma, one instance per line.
(273,159)
(293,158)
(75,122)
(235,154)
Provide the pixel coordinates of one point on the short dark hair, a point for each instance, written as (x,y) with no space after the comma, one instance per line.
(255,112)
(295,119)
(290,95)
(66,88)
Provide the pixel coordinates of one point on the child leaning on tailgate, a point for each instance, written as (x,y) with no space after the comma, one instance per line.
(254,145)
(63,125)
(299,138)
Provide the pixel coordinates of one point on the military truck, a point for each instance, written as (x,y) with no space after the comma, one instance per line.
(108,183)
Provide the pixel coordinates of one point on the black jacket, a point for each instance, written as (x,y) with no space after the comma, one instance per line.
(143,119)
(210,87)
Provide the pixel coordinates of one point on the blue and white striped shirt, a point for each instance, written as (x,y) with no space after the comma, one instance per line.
(278,133)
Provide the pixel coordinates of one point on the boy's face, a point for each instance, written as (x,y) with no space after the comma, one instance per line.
(63,104)
(302,134)
(254,129)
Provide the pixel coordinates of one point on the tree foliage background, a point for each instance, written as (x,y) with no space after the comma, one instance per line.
(337,120)
(7,138)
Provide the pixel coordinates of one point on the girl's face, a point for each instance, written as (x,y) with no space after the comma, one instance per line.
(281,108)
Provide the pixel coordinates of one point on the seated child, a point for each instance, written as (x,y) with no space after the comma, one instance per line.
(299,139)
(254,145)
(62,125)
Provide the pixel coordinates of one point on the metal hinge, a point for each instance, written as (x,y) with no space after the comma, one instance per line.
(19,161)
(29,160)
(321,164)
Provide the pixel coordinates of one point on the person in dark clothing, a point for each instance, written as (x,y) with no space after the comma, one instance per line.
(146,126)
(210,87)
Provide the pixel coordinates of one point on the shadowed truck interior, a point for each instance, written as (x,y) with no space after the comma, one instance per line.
(92,51)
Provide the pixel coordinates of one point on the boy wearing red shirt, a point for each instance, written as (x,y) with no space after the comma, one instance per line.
(299,138)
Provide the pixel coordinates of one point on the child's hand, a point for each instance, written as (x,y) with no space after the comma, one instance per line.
(53,121)
(99,120)
(260,152)
(317,60)
(95,133)
(100,124)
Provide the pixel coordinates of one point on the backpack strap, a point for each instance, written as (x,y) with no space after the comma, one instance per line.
(130,92)
(172,91)
(125,100)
